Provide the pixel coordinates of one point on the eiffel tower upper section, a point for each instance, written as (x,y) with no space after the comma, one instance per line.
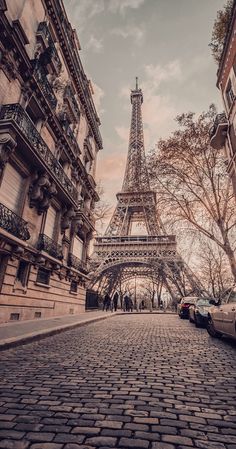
(136,175)
(136,201)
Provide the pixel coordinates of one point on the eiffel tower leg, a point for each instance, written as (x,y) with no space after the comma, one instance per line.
(170,272)
(194,282)
(169,288)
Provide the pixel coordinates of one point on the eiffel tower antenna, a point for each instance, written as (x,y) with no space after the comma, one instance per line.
(136,83)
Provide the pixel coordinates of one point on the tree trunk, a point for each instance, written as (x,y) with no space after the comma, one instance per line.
(231,256)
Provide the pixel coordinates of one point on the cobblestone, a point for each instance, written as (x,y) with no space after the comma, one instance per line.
(141,382)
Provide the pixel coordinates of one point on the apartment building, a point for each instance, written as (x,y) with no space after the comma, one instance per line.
(49,140)
(223,134)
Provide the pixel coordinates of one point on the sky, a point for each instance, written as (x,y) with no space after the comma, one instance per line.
(163,42)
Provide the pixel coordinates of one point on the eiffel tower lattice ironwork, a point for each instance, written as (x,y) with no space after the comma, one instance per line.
(119,255)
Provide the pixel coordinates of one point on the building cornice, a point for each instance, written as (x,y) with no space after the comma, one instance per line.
(66,39)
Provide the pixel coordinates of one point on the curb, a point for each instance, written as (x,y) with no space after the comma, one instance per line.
(28,338)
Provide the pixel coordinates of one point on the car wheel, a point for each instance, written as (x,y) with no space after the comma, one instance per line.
(211,329)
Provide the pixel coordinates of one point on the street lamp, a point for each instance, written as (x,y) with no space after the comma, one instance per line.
(135,297)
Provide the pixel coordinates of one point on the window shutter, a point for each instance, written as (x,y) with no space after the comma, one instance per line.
(49,228)
(11,189)
(78,248)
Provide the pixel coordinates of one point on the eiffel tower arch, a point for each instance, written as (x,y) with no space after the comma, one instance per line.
(119,254)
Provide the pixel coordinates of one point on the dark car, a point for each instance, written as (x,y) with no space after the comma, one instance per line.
(198,312)
(185,303)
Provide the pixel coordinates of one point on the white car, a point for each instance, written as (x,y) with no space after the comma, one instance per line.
(222,317)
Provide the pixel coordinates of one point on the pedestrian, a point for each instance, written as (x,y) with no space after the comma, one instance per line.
(106,302)
(115,301)
(131,305)
(126,303)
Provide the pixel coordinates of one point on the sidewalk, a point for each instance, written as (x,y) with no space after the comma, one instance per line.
(18,333)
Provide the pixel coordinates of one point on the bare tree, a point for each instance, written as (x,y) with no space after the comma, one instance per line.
(192,183)
(213,267)
(102,210)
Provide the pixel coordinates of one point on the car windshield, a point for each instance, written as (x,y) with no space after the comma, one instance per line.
(204,302)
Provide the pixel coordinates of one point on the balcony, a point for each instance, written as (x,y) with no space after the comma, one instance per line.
(72,104)
(76,263)
(45,86)
(68,133)
(13,224)
(16,114)
(218,131)
(85,216)
(50,54)
(49,246)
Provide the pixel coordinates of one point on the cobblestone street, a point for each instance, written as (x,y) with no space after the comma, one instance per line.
(132,381)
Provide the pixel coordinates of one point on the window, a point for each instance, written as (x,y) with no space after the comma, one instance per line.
(234,66)
(11,189)
(43,276)
(3,266)
(78,247)
(73,286)
(37,314)
(14,316)
(50,223)
(229,94)
(22,274)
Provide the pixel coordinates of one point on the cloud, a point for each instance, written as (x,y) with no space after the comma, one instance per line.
(155,75)
(130,31)
(94,44)
(123,133)
(83,10)
(122,5)
(112,168)
(98,96)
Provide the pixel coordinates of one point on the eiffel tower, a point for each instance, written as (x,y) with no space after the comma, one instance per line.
(119,255)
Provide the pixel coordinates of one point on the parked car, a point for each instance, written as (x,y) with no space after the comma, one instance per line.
(183,306)
(222,317)
(198,312)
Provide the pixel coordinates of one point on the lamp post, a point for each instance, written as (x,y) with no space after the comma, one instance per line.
(135,297)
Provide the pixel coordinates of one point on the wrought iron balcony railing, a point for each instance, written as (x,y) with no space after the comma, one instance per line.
(44,84)
(43,30)
(219,120)
(16,113)
(50,246)
(76,263)
(65,123)
(13,224)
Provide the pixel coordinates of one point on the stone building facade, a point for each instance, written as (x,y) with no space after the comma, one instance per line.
(223,134)
(49,140)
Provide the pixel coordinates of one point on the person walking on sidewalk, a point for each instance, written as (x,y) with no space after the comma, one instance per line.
(126,303)
(106,302)
(115,301)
